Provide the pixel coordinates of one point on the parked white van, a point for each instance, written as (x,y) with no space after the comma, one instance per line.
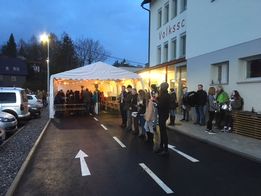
(13,100)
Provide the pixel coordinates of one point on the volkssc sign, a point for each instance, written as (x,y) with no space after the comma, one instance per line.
(172,29)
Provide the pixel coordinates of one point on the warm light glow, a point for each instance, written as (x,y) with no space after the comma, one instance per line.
(44,37)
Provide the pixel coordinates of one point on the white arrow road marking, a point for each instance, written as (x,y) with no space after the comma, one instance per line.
(156,179)
(183,154)
(84,168)
(119,142)
(104,127)
(95,119)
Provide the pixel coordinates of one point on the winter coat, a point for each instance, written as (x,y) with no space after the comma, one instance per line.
(127,101)
(202,98)
(222,98)
(173,100)
(151,112)
(237,104)
(212,104)
(164,104)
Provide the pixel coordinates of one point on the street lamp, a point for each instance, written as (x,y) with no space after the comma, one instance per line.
(45,39)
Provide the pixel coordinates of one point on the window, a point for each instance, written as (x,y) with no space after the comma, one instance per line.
(174,8)
(13,78)
(7,68)
(1,77)
(173,48)
(7,98)
(183,5)
(166,13)
(254,68)
(159,17)
(14,69)
(219,73)
(166,52)
(159,54)
(18,68)
(183,45)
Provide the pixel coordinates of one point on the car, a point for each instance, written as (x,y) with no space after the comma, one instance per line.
(13,100)
(35,105)
(8,122)
(34,101)
(2,135)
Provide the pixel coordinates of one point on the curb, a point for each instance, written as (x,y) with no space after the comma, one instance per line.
(242,154)
(21,171)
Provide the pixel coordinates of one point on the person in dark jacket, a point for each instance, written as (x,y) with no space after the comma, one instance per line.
(163,112)
(185,104)
(127,107)
(123,110)
(173,106)
(134,111)
(200,105)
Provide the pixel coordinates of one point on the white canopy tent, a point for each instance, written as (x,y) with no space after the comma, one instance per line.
(108,77)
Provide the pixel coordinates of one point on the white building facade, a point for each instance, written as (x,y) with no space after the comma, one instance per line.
(224,47)
(209,42)
(167,44)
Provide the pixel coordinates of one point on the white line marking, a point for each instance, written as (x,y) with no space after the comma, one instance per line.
(104,127)
(156,179)
(183,154)
(119,142)
(95,119)
(90,114)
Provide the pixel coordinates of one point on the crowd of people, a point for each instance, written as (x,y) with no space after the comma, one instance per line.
(144,113)
(91,101)
(216,104)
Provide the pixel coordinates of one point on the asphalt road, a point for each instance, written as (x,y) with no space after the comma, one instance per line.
(115,170)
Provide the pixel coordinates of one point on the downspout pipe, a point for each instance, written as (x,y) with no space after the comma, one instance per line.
(142,5)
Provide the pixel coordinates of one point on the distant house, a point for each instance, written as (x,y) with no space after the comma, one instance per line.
(13,71)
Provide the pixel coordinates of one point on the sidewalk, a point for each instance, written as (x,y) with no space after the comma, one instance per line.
(244,146)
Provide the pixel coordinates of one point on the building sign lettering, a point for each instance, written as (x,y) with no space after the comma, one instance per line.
(172,29)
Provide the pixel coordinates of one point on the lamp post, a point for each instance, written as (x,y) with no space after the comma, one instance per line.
(45,39)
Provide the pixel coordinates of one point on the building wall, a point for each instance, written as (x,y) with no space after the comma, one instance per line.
(174,28)
(199,71)
(219,24)
(12,81)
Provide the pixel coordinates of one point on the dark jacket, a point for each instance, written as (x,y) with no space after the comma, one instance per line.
(164,104)
(134,103)
(202,98)
(127,101)
(124,93)
(173,100)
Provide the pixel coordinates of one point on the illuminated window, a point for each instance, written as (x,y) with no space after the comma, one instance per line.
(7,68)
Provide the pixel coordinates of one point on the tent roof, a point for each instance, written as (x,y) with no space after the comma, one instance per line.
(97,71)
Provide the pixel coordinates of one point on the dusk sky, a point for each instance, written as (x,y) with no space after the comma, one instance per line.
(120,26)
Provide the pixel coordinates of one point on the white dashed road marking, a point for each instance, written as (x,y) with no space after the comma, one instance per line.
(156,179)
(183,154)
(104,127)
(119,142)
(95,119)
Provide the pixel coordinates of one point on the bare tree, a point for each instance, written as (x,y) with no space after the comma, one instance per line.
(89,51)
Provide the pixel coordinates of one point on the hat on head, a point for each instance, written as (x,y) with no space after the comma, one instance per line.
(129,86)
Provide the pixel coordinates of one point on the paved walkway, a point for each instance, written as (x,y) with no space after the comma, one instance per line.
(244,146)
